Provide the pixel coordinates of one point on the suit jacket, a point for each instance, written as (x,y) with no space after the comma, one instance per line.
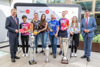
(11,26)
(91,26)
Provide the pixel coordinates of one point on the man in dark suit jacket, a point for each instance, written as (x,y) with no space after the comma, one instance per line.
(88,25)
(12,25)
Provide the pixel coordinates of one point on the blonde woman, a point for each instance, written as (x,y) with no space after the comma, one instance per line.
(74,31)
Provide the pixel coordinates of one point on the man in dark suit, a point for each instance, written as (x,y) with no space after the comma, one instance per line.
(12,25)
(88,25)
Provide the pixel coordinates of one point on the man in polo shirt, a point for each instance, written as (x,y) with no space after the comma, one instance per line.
(53,33)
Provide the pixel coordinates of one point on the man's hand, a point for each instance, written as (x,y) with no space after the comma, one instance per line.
(16,31)
(55,35)
(65,28)
(86,31)
(51,30)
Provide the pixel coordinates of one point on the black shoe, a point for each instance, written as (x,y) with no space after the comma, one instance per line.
(63,54)
(36,52)
(60,52)
(51,53)
(54,56)
(69,46)
(13,59)
(17,57)
(83,57)
(88,59)
(42,51)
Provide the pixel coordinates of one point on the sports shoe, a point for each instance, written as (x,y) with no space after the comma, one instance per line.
(23,55)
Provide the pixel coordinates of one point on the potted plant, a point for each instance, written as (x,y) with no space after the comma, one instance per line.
(95,43)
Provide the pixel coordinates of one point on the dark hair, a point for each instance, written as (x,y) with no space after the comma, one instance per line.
(42,21)
(24,16)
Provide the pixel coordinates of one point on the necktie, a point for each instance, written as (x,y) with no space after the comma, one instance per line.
(86,21)
(15,20)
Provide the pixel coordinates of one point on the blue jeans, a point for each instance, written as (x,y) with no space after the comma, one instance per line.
(43,39)
(36,40)
(87,45)
(53,41)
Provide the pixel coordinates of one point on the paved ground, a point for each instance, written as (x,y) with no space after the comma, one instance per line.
(73,62)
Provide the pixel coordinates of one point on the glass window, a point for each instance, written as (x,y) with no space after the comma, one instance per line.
(86,5)
(56,1)
(97,5)
(97,18)
(82,16)
(76,0)
(40,1)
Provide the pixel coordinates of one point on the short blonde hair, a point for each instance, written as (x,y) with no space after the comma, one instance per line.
(52,14)
(13,9)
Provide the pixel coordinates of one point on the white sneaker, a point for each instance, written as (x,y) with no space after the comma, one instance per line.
(75,55)
(26,55)
(72,54)
(23,55)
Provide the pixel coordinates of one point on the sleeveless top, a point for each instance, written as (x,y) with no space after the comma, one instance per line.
(42,28)
(35,24)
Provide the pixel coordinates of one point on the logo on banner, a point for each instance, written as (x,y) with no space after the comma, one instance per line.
(47,11)
(55,18)
(66,11)
(27,11)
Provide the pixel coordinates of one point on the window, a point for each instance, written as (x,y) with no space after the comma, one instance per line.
(76,0)
(86,5)
(97,5)
(97,18)
(56,1)
(40,1)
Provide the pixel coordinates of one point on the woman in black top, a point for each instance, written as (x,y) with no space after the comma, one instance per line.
(43,31)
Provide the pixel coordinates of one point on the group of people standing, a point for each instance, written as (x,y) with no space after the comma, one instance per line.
(55,28)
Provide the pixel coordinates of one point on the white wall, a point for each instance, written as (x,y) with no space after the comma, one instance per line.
(5,7)
(4,12)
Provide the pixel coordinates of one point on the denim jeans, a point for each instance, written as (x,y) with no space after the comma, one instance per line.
(43,39)
(53,41)
(36,40)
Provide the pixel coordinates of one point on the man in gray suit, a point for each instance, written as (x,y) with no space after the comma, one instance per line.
(88,25)
(12,25)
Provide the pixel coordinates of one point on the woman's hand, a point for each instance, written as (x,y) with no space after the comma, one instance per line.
(78,31)
(38,32)
(35,34)
(71,33)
